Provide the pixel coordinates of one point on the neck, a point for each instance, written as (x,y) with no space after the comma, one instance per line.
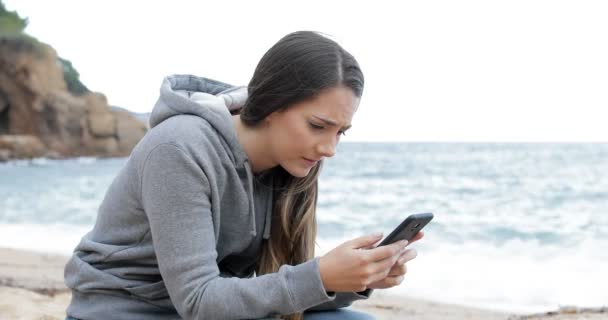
(253,142)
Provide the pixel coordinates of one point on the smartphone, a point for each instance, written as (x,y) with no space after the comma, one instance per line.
(408,228)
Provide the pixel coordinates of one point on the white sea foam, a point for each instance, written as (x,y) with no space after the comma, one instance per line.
(52,238)
(516,277)
(87,160)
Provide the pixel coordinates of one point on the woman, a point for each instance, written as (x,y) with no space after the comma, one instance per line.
(223,186)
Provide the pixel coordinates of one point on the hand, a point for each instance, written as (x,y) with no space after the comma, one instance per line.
(349,268)
(399,269)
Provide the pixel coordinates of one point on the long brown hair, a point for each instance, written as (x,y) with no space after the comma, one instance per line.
(295,69)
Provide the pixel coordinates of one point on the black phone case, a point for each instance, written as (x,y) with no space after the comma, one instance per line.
(408,228)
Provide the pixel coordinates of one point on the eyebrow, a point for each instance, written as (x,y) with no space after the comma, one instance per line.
(332,123)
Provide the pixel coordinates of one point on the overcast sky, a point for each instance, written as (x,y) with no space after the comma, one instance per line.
(434,70)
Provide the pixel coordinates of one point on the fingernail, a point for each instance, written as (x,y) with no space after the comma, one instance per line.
(377,235)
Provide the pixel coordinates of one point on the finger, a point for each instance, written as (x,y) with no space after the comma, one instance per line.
(378,276)
(395,281)
(378,285)
(417,237)
(370,246)
(385,252)
(407,255)
(382,284)
(398,270)
(386,282)
(382,269)
(364,241)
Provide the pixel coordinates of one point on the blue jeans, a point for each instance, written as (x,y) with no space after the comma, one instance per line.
(339,314)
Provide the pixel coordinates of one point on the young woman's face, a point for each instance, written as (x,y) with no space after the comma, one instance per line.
(309,131)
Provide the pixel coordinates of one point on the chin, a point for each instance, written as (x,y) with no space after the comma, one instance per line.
(297,171)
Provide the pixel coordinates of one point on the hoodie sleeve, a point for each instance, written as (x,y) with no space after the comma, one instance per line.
(176,198)
(342,300)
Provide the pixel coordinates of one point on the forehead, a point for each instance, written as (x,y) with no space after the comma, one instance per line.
(337,104)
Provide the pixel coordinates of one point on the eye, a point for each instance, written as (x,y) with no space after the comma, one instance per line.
(320,127)
(315,126)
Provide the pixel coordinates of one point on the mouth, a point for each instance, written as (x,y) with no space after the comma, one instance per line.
(310,162)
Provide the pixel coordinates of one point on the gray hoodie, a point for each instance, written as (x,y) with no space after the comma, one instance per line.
(180,229)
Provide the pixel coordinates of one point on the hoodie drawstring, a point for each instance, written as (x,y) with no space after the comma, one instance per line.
(269,209)
(250,197)
(269,199)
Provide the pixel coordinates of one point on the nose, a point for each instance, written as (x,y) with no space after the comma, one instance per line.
(327,148)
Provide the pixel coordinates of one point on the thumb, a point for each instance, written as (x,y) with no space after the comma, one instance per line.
(364,241)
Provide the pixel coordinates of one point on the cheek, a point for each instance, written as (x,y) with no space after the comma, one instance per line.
(295,138)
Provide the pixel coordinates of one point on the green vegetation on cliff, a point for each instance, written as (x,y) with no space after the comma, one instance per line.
(71,77)
(11,22)
(12,28)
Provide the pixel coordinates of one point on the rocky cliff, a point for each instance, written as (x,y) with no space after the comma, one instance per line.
(40,117)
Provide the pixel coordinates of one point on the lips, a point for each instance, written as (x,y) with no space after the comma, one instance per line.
(310,162)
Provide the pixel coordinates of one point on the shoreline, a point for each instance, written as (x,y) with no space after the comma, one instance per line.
(31,287)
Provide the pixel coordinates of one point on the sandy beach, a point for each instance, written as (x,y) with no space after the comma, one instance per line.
(31,287)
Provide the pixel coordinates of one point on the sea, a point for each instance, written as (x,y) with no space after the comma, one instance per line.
(519,227)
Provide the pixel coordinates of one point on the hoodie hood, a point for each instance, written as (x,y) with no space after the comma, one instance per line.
(213,101)
(209,99)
